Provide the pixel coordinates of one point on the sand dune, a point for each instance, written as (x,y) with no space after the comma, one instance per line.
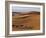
(28,21)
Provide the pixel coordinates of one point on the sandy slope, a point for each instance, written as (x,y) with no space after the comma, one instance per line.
(26,22)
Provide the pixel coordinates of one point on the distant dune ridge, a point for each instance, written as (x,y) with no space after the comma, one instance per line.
(25,21)
(32,12)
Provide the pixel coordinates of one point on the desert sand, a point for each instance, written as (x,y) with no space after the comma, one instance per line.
(29,21)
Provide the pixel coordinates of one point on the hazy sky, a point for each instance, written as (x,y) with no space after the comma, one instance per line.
(24,9)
